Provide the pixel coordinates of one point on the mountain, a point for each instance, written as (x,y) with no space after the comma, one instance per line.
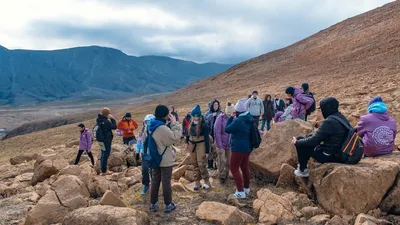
(91,72)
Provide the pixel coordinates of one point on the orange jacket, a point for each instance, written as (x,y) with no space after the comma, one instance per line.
(127,127)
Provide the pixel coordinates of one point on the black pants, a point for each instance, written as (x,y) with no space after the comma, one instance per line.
(164,175)
(78,157)
(305,118)
(128,139)
(146,173)
(304,154)
(256,120)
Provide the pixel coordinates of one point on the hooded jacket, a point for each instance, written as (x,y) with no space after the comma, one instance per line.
(221,138)
(211,118)
(269,111)
(127,127)
(85,140)
(300,103)
(165,138)
(240,130)
(378,131)
(331,135)
(107,126)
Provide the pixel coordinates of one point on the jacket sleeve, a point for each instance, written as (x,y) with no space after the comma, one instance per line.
(89,140)
(248,104)
(120,126)
(305,100)
(312,141)
(272,109)
(113,124)
(207,139)
(135,125)
(232,126)
(261,107)
(361,127)
(287,112)
(218,132)
(172,135)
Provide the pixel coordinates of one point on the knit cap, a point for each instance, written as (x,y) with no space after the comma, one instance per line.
(241,105)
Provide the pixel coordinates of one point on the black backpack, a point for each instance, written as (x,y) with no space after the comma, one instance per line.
(98,132)
(352,149)
(255,136)
(313,106)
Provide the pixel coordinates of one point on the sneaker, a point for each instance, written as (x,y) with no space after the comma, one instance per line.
(305,173)
(196,188)
(247,191)
(154,207)
(169,208)
(240,195)
(206,186)
(145,190)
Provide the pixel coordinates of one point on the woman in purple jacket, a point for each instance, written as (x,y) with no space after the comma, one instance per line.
(301,103)
(85,143)
(377,129)
(221,140)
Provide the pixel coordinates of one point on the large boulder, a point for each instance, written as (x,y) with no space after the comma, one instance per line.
(366,219)
(276,149)
(46,168)
(109,198)
(71,192)
(105,215)
(273,208)
(391,203)
(26,157)
(179,172)
(117,157)
(286,176)
(71,170)
(353,189)
(222,214)
(99,185)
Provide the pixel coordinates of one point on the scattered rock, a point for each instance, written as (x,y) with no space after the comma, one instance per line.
(298,200)
(128,181)
(26,157)
(222,214)
(72,144)
(13,210)
(319,220)
(47,168)
(189,175)
(71,170)
(99,185)
(391,203)
(272,208)
(109,198)
(135,173)
(41,188)
(93,202)
(309,212)
(235,201)
(179,172)
(185,161)
(105,215)
(362,218)
(71,192)
(276,150)
(178,187)
(286,176)
(26,177)
(337,220)
(375,213)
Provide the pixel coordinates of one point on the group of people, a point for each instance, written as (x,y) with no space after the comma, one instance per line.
(221,138)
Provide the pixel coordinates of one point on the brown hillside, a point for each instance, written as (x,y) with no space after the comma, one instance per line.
(353,60)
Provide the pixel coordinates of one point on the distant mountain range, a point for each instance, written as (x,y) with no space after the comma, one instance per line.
(91,73)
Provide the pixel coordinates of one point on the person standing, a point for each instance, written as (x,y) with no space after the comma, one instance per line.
(269,112)
(301,103)
(215,111)
(255,107)
(279,104)
(127,125)
(164,138)
(239,126)
(186,124)
(106,123)
(199,148)
(306,89)
(221,140)
(85,144)
(173,112)
(146,171)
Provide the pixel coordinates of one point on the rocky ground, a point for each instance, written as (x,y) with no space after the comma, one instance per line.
(46,189)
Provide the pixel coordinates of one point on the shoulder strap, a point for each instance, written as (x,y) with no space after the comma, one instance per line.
(342,122)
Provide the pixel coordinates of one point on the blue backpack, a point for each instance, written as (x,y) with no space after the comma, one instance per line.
(151,155)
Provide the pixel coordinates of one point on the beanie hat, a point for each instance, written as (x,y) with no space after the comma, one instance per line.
(229,109)
(290,90)
(375,99)
(105,111)
(241,105)
(161,112)
(305,87)
(376,105)
(196,111)
(128,115)
(148,117)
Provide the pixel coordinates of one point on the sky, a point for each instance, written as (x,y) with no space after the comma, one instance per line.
(224,31)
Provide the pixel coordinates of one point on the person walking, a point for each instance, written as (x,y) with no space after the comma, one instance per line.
(255,107)
(215,111)
(221,140)
(269,112)
(146,171)
(85,144)
(106,124)
(239,126)
(301,103)
(127,125)
(164,138)
(199,148)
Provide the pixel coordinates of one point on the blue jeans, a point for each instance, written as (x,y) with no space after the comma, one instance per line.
(146,172)
(268,125)
(104,156)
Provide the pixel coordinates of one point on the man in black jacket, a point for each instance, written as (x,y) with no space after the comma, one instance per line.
(107,124)
(325,144)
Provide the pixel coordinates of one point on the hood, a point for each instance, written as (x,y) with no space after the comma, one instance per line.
(297,91)
(211,106)
(153,124)
(377,107)
(329,106)
(101,118)
(382,116)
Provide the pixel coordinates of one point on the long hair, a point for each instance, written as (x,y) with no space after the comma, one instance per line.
(198,126)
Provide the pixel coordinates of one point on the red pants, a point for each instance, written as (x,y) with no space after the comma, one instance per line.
(240,160)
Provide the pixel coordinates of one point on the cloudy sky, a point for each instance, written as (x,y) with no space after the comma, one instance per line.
(226,31)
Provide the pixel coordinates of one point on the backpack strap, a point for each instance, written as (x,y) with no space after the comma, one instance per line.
(342,122)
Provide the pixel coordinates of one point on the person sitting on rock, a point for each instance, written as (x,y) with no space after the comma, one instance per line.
(164,138)
(377,129)
(282,116)
(198,145)
(239,126)
(325,144)
(146,171)
(301,103)
(85,144)
(127,125)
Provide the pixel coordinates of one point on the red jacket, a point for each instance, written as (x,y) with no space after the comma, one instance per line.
(127,127)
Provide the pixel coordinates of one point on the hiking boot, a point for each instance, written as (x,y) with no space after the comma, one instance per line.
(299,173)
(197,188)
(206,186)
(240,195)
(154,207)
(247,191)
(145,190)
(169,208)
